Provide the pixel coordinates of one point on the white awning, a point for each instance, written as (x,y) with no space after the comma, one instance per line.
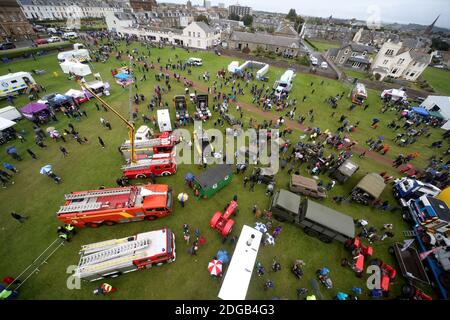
(5,123)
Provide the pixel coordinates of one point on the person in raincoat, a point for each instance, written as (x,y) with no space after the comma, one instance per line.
(182,197)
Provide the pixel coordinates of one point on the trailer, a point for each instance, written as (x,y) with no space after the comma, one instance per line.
(15,82)
(239,273)
(359,94)
(94,208)
(112,258)
(410,264)
(212,180)
(10,113)
(164,122)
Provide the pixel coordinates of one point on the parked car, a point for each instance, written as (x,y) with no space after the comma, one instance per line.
(7,46)
(324,65)
(54,39)
(230,119)
(40,41)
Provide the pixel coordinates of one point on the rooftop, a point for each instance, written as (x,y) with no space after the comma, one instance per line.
(264,38)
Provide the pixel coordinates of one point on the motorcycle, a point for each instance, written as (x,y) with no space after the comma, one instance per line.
(325,279)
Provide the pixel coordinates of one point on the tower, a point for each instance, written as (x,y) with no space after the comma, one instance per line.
(429,30)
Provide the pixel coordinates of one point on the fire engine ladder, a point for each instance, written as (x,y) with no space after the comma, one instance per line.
(146,144)
(145,164)
(80,207)
(101,193)
(409,233)
(113,253)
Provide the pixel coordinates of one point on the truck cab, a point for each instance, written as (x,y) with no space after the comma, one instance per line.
(181,111)
(407,188)
(429,212)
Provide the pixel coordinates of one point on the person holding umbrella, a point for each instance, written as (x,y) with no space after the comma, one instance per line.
(182,197)
(12,151)
(10,167)
(215,268)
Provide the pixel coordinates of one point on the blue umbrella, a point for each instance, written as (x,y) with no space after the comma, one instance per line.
(324,271)
(223,256)
(11,150)
(189,177)
(341,296)
(46,169)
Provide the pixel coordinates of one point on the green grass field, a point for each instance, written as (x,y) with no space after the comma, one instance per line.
(438,79)
(323,45)
(89,166)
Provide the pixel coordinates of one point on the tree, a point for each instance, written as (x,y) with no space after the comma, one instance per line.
(298,23)
(233,16)
(438,44)
(248,20)
(202,18)
(292,15)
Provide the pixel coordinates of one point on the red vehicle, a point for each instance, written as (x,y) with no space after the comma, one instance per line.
(223,223)
(144,149)
(388,275)
(161,164)
(94,208)
(359,252)
(40,41)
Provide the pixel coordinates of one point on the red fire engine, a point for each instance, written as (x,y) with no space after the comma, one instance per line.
(145,149)
(94,208)
(161,164)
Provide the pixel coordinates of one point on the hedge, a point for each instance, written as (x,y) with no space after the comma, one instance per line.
(26,52)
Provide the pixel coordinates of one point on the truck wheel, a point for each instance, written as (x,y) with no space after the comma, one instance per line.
(391,250)
(159,264)
(109,223)
(325,239)
(359,274)
(375,262)
(408,291)
(151,218)
(140,176)
(166,173)
(93,225)
(311,233)
(113,275)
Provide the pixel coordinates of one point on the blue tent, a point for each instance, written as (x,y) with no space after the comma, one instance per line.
(122,76)
(420,111)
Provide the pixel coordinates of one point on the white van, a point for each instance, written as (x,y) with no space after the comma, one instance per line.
(324,65)
(314,61)
(52,30)
(194,62)
(70,35)
(54,39)
(13,82)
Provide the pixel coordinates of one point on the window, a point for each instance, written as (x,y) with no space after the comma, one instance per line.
(342,60)
(364,53)
(400,61)
(394,71)
(389,52)
(346,51)
(412,74)
(385,62)
(198,34)
(189,33)
(198,43)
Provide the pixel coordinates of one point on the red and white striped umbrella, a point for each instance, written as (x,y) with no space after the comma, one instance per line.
(215,267)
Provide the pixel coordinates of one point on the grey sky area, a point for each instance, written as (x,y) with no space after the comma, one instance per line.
(401,11)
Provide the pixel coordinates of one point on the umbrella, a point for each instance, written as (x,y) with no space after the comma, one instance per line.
(189,177)
(268,239)
(223,256)
(341,296)
(215,267)
(11,150)
(183,196)
(46,169)
(261,227)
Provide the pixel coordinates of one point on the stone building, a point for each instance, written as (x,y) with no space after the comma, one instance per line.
(13,23)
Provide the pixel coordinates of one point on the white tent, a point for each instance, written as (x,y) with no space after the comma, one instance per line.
(75,93)
(10,113)
(233,66)
(439,104)
(5,123)
(76,68)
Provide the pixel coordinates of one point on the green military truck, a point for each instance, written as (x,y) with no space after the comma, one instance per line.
(315,219)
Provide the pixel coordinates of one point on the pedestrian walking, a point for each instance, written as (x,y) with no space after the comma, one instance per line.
(10,167)
(64,151)
(102,143)
(19,217)
(32,154)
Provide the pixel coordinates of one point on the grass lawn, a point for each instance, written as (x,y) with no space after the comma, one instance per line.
(356,73)
(323,45)
(438,79)
(89,166)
